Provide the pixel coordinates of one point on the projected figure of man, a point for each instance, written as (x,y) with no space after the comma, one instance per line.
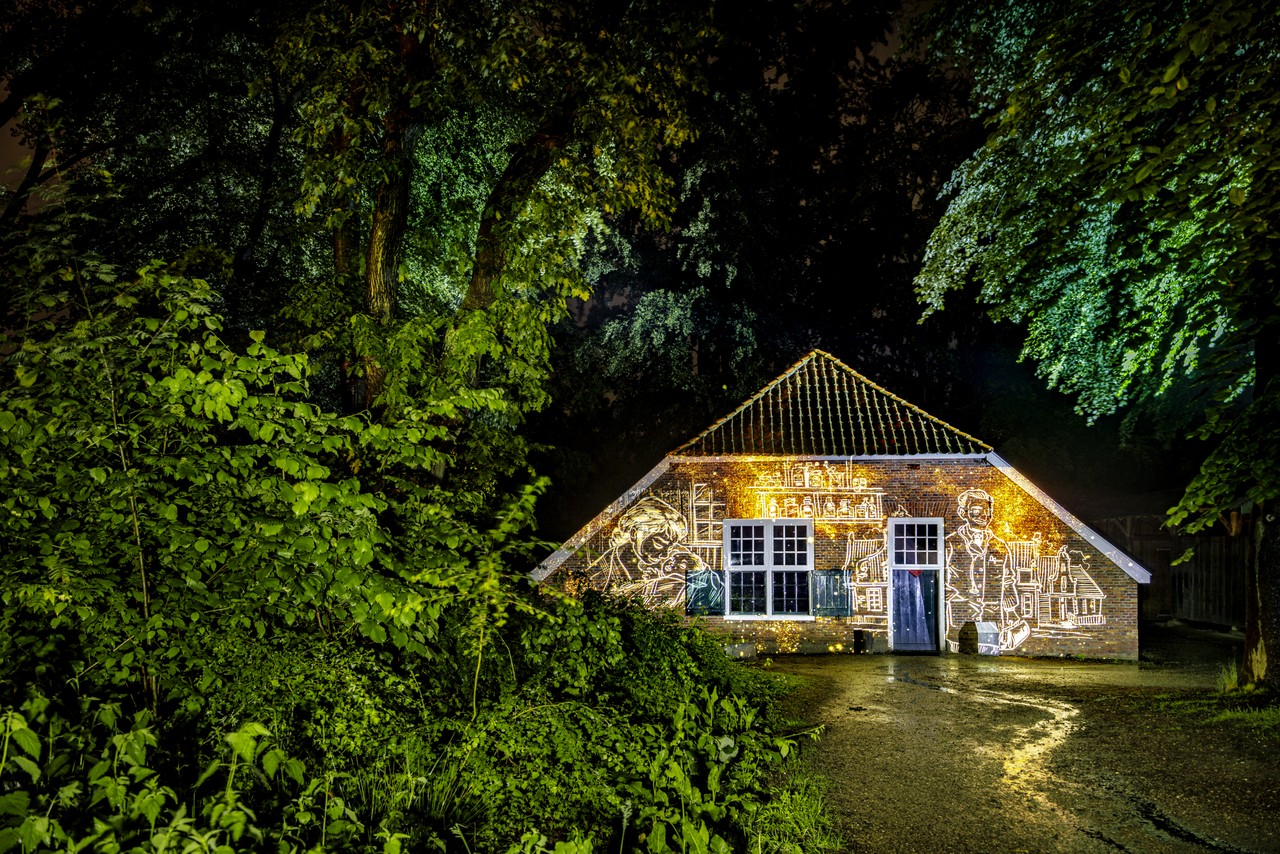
(981,583)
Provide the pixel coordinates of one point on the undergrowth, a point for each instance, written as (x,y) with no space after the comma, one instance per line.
(1254,709)
(591,726)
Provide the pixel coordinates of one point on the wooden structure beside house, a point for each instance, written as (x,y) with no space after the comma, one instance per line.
(827,514)
(1198,577)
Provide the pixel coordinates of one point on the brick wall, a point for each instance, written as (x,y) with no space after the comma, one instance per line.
(1070,600)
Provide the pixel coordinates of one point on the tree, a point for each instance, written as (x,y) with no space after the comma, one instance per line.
(802,210)
(567,108)
(1125,209)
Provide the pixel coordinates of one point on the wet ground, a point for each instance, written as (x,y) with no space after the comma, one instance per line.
(970,753)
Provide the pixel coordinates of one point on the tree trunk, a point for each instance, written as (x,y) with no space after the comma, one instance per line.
(385,252)
(346,266)
(523,172)
(29,181)
(282,105)
(1262,606)
(1262,588)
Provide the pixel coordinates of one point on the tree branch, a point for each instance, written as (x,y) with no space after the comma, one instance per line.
(508,196)
(29,182)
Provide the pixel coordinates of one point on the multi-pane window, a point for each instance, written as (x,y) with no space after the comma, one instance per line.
(790,544)
(746,545)
(768,564)
(915,543)
(747,592)
(790,592)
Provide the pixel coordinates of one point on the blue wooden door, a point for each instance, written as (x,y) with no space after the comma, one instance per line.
(915,610)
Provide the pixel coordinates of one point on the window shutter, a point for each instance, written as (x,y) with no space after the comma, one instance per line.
(830,590)
(704,592)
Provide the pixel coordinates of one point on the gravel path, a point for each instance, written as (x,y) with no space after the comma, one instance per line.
(966,753)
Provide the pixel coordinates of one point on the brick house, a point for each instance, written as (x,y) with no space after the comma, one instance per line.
(827,514)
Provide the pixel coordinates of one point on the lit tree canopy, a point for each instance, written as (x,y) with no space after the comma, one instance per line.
(1125,209)
(487,140)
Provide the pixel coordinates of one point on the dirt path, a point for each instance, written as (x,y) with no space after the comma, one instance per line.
(960,753)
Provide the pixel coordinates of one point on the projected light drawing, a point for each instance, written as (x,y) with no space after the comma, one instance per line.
(661,548)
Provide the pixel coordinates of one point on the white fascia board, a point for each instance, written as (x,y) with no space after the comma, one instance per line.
(818,458)
(560,555)
(1131,567)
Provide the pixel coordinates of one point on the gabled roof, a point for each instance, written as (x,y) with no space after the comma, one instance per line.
(822,407)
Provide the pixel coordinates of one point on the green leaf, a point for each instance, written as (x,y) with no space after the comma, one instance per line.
(33,832)
(27,765)
(27,740)
(14,803)
(271,761)
(244,741)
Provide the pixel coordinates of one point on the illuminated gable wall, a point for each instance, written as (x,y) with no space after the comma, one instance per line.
(1070,600)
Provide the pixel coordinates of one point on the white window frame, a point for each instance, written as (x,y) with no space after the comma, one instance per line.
(940,545)
(938,565)
(768,565)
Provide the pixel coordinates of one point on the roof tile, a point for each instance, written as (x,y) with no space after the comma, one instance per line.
(822,407)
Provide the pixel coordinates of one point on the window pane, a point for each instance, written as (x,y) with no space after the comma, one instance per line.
(790,545)
(746,545)
(790,592)
(916,544)
(747,592)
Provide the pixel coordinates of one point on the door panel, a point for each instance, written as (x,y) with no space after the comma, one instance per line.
(915,610)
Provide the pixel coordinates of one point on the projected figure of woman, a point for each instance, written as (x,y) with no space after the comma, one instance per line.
(647,553)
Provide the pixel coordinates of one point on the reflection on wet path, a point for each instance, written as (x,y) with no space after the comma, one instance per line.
(1026,765)
(961,753)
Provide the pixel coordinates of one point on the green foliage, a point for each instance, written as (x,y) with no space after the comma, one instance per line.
(171,491)
(277,487)
(88,781)
(1123,208)
(685,739)
(480,148)
(794,819)
(573,750)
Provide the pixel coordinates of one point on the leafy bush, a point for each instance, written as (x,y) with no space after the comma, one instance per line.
(86,782)
(622,723)
(587,767)
(191,540)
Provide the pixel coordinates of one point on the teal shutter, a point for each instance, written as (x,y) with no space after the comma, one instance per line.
(704,591)
(831,593)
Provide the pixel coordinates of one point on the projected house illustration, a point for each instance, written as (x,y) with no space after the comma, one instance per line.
(827,514)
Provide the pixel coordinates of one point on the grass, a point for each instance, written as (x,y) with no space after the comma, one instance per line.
(1228,679)
(1241,705)
(794,820)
